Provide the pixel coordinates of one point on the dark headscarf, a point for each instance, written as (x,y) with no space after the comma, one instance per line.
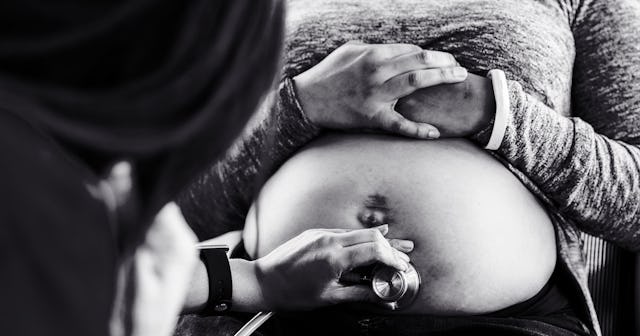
(164,84)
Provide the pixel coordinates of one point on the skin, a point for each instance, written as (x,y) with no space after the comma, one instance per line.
(354,88)
(154,280)
(357,86)
(311,263)
(481,244)
(457,110)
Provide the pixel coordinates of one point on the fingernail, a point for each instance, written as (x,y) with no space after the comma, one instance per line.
(403,256)
(404,266)
(406,245)
(460,72)
(433,134)
(384,228)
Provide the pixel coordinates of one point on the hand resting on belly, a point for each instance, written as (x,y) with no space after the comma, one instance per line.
(482,240)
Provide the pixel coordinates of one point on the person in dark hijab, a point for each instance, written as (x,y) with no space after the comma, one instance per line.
(142,80)
(164,86)
(107,110)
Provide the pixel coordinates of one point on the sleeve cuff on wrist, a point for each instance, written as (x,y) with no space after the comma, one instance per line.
(501,94)
(289,97)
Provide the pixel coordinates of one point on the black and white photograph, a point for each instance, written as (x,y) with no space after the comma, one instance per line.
(320,167)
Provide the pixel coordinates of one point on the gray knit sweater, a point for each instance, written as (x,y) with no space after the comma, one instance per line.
(573,129)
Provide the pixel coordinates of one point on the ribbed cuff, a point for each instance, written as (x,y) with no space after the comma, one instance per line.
(292,114)
(501,94)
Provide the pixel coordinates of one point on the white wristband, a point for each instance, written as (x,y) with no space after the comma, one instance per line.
(501,94)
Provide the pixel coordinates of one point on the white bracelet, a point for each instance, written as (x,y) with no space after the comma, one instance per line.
(501,94)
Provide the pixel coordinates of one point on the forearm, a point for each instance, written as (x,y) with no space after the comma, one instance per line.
(590,178)
(218,201)
(589,166)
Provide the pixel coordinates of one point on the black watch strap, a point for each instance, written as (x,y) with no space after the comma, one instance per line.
(220,286)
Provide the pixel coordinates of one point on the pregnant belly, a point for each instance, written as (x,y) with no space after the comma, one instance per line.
(482,241)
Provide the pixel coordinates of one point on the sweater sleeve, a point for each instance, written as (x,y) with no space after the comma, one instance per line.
(589,165)
(219,199)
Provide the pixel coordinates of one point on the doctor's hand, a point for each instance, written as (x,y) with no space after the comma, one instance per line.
(304,272)
(357,86)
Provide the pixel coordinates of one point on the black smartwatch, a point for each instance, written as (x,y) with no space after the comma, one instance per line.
(216,262)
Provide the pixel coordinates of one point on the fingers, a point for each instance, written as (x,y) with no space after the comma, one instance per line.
(335,230)
(393,122)
(422,59)
(408,82)
(372,240)
(363,235)
(372,252)
(388,51)
(402,245)
(348,237)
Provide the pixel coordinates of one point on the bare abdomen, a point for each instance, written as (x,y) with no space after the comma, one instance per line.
(482,241)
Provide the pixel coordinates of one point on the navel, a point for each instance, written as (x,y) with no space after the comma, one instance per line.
(374,211)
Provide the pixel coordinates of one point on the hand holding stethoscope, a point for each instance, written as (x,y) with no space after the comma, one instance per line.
(396,290)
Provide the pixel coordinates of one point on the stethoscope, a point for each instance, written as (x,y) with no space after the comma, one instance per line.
(396,290)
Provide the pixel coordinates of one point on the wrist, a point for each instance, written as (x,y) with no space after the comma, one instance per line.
(247,289)
(485,106)
(502,108)
(491,135)
(482,132)
(219,279)
(246,293)
(300,86)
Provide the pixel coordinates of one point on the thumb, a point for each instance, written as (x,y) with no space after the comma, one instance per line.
(393,122)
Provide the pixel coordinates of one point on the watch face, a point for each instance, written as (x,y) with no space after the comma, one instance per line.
(389,284)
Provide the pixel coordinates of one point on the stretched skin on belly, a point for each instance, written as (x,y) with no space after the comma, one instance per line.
(482,241)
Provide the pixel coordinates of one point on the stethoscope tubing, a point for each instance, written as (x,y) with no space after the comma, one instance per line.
(253,324)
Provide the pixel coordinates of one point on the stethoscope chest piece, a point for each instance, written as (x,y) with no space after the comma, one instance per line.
(397,289)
